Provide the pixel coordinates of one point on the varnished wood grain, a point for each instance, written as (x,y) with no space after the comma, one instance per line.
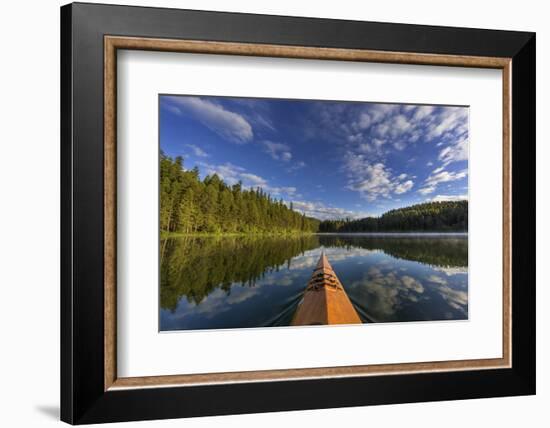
(325,300)
(109,176)
(297,374)
(507,214)
(112,43)
(281,51)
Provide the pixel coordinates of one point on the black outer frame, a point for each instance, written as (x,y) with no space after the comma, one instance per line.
(83,399)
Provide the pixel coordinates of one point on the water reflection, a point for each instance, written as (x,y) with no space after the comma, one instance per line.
(236,282)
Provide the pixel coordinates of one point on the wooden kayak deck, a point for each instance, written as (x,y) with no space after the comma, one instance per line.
(325,300)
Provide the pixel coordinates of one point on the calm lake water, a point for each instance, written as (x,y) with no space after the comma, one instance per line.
(236,282)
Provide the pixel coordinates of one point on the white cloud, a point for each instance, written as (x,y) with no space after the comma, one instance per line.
(382,129)
(445,176)
(253,180)
(422,111)
(365,148)
(228,124)
(401,124)
(364,120)
(437,279)
(277,151)
(379,111)
(257,112)
(426,190)
(446,198)
(227,172)
(450,271)
(378,143)
(323,212)
(218,300)
(197,151)
(296,166)
(412,284)
(373,180)
(454,153)
(449,121)
(232,174)
(372,146)
(378,128)
(399,145)
(404,187)
(355,137)
(288,191)
(440,176)
(391,291)
(457,299)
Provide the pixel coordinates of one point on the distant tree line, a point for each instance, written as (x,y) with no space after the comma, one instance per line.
(449,216)
(435,251)
(191,205)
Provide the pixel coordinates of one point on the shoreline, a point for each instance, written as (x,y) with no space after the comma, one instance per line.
(166,235)
(395,233)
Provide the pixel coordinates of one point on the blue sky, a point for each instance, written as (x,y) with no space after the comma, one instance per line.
(332,159)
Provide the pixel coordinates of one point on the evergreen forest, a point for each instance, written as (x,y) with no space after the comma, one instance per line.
(450,216)
(189,205)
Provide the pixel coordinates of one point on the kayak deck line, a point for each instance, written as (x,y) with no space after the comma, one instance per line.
(325,301)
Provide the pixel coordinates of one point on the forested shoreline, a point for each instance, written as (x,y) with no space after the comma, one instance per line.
(189,205)
(450,216)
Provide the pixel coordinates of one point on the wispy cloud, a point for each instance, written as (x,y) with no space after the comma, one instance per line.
(228,124)
(296,166)
(233,174)
(324,212)
(228,172)
(439,175)
(456,152)
(256,111)
(446,198)
(449,122)
(403,187)
(197,151)
(457,299)
(437,279)
(277,151)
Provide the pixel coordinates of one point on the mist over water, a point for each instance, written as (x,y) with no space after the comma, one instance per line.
(257,281)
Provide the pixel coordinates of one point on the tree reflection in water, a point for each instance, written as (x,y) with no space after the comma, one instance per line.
(388,278)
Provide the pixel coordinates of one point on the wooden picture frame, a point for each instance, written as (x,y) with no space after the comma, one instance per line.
(91,390)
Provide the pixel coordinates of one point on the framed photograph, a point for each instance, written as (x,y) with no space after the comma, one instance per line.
(267,213)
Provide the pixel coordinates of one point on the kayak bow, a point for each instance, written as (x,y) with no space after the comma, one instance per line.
(325,301)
